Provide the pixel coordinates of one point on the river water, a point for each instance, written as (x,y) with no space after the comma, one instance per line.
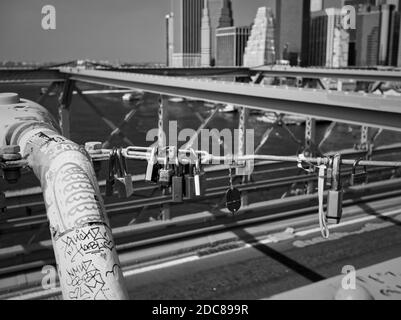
(87,126)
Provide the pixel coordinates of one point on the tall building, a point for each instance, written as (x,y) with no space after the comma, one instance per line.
(187,32)
(384,34)
(357,4)
(329,42)
(260,49)
(394,35)
(221,16)
(367,36)
(169,39)
(230,46)
(318,39)
(205,37)
(292,23)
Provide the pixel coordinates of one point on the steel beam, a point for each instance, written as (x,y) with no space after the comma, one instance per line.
(28,75)
(316,73)
(189,72)
(356,108)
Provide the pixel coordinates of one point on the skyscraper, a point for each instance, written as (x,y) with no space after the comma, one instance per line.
(169,39)
(384,33)
(187,32)
(260,49)
(192,19)
(367,36)
(329,42)
(292,23)
(221,16)
(205,37)
(394,35)
(230,45)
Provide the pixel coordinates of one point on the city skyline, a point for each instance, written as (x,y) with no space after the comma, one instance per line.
(124,30)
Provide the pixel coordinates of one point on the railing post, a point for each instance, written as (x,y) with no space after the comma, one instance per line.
(163,141)
(64,108)
(310,142)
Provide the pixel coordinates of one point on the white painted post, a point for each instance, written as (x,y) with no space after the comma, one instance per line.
(87,260)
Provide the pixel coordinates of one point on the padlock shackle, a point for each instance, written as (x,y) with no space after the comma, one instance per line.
(112,161)
(355,165)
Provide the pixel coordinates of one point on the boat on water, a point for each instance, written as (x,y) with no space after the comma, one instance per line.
(44,90)
(228,108)
(176,99)
(132,96)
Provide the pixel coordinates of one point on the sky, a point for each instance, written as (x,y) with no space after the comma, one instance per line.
(114,30)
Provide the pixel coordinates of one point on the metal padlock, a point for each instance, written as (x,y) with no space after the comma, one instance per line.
(2,202)
(233,200)
(189,182)
(110,180)
(165,173)
(329,171)
(123,182)
(177,183)
(152,167)
(335,195)
(334,205)
(358,177)
(198,178)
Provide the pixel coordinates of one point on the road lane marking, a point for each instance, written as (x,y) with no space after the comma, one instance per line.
(347,223)
(160,265)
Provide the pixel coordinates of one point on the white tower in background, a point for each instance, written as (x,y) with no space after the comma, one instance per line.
(205,41)
(260,49)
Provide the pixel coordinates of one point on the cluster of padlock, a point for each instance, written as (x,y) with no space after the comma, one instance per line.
(118,177)
(336,192)
(186,181)
(330,174)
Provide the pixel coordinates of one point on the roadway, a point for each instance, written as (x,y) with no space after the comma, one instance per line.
(258,260)
(265,269)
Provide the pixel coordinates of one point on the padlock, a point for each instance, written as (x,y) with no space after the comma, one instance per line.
(189,182)
(165,173)
(177,182)
(123,181)
(152,169)
(329,171)
(334,205)
(199,179)
(2,202)
(335,194)
(358,177)
(233,200)
(110,181)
